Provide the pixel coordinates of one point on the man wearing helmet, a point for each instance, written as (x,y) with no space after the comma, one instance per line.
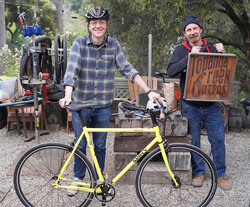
(89,78)
(195,111)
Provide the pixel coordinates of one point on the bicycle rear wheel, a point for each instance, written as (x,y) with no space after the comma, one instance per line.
(37,170)
(155,187)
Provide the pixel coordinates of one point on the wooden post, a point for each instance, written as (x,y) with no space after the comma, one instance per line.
(149,59)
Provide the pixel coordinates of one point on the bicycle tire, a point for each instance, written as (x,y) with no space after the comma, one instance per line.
(154,186)
(45,61)
(225,114)
(64,56)
(38,168)
(57,60)
(26,69)
(46,43)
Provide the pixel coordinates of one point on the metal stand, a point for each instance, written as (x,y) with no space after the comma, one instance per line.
(35,81)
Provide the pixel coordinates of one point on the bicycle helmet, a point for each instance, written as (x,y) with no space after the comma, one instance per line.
(97,13)
(153,105)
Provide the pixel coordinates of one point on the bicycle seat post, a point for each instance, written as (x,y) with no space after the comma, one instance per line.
(81,118)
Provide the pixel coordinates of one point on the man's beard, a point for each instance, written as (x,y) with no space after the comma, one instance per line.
(194,38)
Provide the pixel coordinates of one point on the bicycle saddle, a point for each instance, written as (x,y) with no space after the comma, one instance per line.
(77,107)
(245,101)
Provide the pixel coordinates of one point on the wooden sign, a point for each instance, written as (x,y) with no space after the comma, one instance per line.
(209,76)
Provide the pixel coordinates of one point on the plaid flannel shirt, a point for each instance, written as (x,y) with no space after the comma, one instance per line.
(91,70)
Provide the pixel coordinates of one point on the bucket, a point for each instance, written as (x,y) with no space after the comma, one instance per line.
(236,117)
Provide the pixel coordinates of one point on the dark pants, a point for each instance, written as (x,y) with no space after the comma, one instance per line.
(212,119)
(95,118)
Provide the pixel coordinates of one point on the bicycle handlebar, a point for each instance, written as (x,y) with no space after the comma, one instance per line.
(162,75)
(125,105)
(162,114)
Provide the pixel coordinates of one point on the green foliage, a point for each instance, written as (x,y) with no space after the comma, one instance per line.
(45,14)
(71,36)
(74,28)
(9,62)
(76,5)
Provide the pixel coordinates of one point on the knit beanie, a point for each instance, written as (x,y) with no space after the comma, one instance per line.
(188,20)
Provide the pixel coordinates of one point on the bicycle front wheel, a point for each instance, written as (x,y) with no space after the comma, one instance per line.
(155,187)
(37,170)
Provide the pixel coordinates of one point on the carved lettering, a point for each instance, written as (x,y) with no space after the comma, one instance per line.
(198,66)
(210,76)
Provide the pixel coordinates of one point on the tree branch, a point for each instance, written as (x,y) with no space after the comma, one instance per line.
(8,29)
(228,10)
(224,42)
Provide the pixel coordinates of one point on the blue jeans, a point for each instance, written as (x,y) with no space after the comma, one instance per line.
(95,118)
(212,119)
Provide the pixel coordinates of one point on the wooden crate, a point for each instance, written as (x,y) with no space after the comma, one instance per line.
(136,144)
(174,127)
(127,145)
(180,163)
(179,127)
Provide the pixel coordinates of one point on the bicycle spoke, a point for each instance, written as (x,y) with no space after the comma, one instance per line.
(155,187)
(37,171)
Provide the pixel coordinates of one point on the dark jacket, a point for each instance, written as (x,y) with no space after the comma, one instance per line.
(178,64)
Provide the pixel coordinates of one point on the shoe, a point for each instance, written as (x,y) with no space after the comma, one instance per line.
(198,180)
(73,192)
(224,183)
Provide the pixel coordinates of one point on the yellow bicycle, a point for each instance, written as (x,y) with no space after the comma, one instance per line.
(45,172)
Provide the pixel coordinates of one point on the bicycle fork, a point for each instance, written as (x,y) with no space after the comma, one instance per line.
(164,156)
(163,152)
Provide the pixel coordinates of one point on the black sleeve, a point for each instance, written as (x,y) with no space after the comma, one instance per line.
(212,49)
(178,61)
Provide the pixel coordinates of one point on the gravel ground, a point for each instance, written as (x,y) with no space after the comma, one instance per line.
(238,169)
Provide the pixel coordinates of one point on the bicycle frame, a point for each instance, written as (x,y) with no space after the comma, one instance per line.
(85,132)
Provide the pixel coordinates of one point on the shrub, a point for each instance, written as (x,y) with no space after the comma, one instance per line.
(9,62)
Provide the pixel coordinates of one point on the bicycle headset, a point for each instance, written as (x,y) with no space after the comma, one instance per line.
(153,105)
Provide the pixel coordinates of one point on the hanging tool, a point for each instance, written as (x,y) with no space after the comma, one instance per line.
(44,76)
(22,19)
(34,20)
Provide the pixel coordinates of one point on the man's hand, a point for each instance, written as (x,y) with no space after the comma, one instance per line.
(140,82)
(153,95)
(67,99)
(64,102)
(220,48)
(196,49)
